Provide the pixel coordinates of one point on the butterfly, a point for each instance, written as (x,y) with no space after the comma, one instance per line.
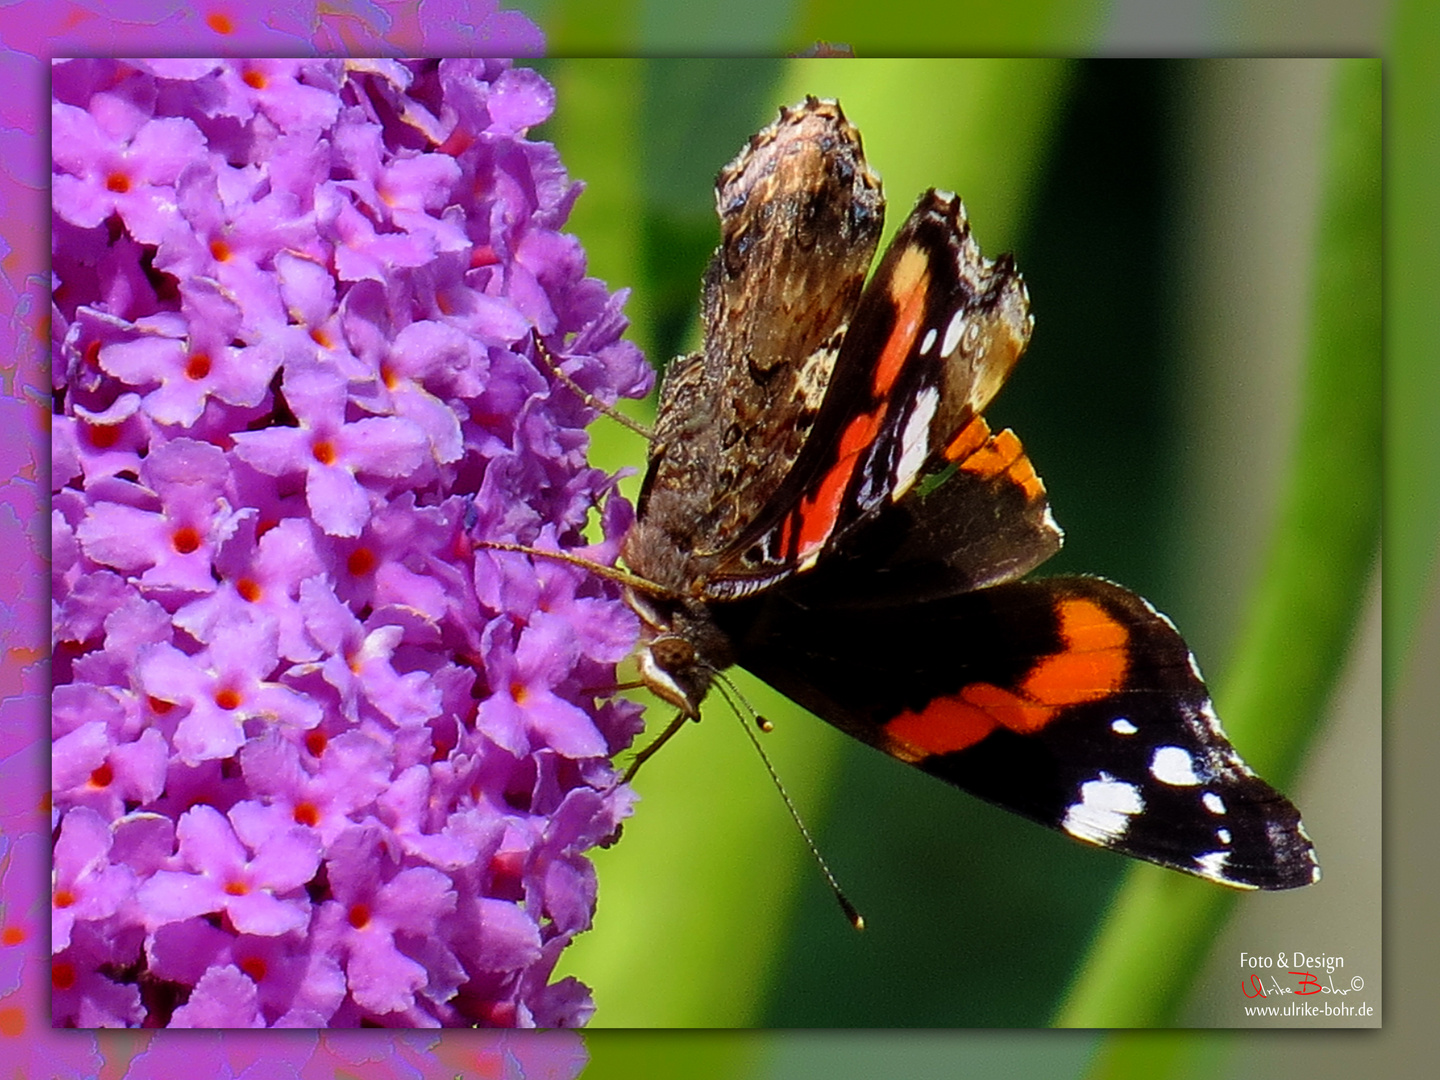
(825,506)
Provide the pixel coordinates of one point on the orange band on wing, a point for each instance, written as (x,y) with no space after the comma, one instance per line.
(818,515)
(997,455)
(945,725)
(1000,454)
(908,287)
(971,438)
(1092,665)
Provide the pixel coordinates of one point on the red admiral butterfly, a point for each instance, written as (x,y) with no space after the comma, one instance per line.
(825,505)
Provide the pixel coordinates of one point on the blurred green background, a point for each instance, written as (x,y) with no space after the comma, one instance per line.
(1168,218)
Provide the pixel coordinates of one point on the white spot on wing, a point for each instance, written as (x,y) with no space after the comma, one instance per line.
(1213,802)
(953,332)
(915,443)
(1173,765)
(1212,865)
(928,341)
(1223,835)
(1103,813)
(1121,726)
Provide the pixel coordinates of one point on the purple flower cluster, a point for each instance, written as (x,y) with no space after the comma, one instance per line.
(318,760)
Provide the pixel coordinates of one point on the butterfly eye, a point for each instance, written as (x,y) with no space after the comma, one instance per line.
(672,652)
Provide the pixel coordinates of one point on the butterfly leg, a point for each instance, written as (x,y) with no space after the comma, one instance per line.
(660,740)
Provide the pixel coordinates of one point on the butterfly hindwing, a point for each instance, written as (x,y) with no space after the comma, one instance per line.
(982,520)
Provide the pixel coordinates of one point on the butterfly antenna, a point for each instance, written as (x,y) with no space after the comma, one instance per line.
(730,694)
(549,360)
(610,573)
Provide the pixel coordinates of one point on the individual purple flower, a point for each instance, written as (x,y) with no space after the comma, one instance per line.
(224,688)
(321,784)
(113,159)
(169,540)
(101,756)
(320,757)
(377,921)
(87,887)
(262,576)
(198,361)
(254,876)
(334,454)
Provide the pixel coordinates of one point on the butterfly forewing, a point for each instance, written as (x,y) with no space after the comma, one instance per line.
(934,337)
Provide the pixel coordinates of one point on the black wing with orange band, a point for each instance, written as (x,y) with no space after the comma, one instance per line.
(1070,701)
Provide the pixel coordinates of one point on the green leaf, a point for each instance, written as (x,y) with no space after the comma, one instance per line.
(1412,390)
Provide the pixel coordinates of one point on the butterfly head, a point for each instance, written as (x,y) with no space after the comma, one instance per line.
(681,649)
